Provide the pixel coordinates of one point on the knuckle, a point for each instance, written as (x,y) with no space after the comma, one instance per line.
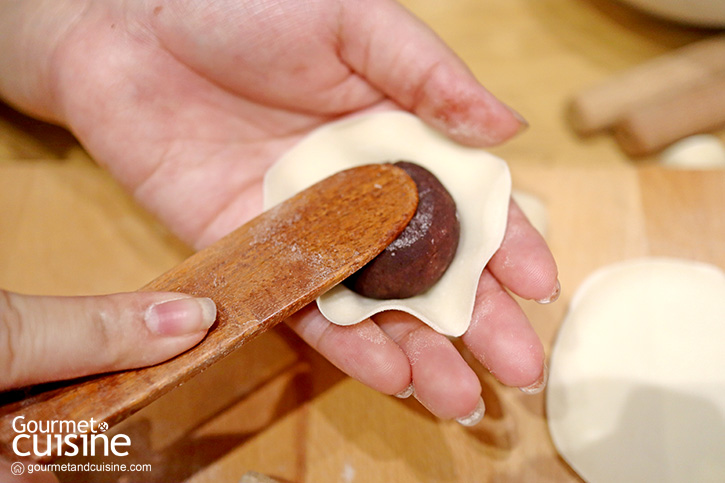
(117,329)
(104,333)
(102,324)
(11,336)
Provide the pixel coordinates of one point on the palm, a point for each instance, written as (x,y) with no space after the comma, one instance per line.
(188,104)
(191,134)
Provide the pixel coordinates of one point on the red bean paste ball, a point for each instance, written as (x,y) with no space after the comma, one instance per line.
(419,257)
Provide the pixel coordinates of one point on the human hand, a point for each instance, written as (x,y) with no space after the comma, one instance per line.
(188,103)
(55,338)
(48,339)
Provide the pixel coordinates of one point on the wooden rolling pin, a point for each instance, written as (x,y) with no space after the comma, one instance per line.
(258,275)
(654,126)
(689,67)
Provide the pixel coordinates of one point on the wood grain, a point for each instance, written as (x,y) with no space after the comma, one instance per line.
(258,275)
(684,213)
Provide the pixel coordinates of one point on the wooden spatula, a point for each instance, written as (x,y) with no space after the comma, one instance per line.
(258,275)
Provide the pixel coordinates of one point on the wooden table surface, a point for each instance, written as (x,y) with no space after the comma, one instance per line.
(277,408)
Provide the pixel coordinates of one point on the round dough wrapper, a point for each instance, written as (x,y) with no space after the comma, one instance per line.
(479,182)
(637,374)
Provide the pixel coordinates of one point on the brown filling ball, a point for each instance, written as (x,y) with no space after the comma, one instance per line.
(419,257)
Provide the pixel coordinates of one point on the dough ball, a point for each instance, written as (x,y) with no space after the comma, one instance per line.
(419,257)
(702,151)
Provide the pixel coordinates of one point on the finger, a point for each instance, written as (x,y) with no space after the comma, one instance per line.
(501,337)
(443,382)
(362,351)
(523,262)
(53,338)
(407,61)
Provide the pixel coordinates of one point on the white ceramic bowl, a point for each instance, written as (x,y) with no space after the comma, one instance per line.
(706,13)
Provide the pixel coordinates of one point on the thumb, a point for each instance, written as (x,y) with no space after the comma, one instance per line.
(52,338)
(407,61)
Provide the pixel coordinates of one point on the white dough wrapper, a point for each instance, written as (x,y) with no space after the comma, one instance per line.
(479,182)
(637,374)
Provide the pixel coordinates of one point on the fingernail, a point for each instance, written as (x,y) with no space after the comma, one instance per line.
(406,393)
(520,118)
(181,316)
(552,298)
(476,415)
(540,383)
